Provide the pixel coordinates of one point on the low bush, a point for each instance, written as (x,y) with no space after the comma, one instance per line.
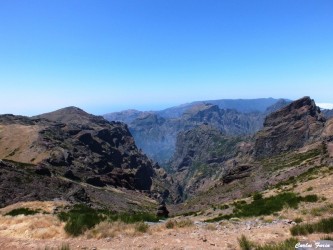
(81,218)
(298,220)
(132,218)
(266,206)
(322,226)
(245,244)
(178,223)
(288,244)
(22,210)
(257,196)
(141,227)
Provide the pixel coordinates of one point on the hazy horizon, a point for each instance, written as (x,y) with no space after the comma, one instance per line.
(109,56)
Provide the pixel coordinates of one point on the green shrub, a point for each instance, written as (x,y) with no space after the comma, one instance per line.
(170,224)
(310,198)
(298,220)
(80,218)
(257,196)
(224,206)
(266,206)
(132,218)
(323,226)
(22,210)
(288,244)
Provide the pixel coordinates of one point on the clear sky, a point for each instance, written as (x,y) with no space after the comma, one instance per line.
(110,55)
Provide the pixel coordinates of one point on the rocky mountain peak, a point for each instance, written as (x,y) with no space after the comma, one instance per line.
(72,115)
(289,128)
(296,110)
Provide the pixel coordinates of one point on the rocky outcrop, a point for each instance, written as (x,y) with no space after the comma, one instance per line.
(289,128)
(162,211)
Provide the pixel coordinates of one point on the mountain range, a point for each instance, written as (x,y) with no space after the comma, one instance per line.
(72,155)
(156,132)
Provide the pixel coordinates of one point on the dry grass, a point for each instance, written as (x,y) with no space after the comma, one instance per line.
(178,223)
(44,206)
(111,229)
(211,227)
(16,141)
(38,226)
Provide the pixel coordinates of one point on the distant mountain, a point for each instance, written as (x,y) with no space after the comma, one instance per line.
(126,116)
(328,113)
(240,105)
(156,132)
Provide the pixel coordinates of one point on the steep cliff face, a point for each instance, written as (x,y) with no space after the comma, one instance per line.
(205,156)
(75,145)
(157,136)
(289,128)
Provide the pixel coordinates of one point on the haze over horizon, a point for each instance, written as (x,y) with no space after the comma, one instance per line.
(109,56)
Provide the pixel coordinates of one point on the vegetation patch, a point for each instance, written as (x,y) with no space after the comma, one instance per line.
(290,160)
(22,210)
(178,223)
(107,229)
(64,246)
(322,226)
(191,213)
(81,218)
(245,244)
(319,211)
(327,237)
(266,206)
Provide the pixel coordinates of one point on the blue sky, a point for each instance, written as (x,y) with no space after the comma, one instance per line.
(112,55)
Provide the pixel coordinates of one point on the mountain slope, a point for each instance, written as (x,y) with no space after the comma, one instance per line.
(74,145)
(294,139)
